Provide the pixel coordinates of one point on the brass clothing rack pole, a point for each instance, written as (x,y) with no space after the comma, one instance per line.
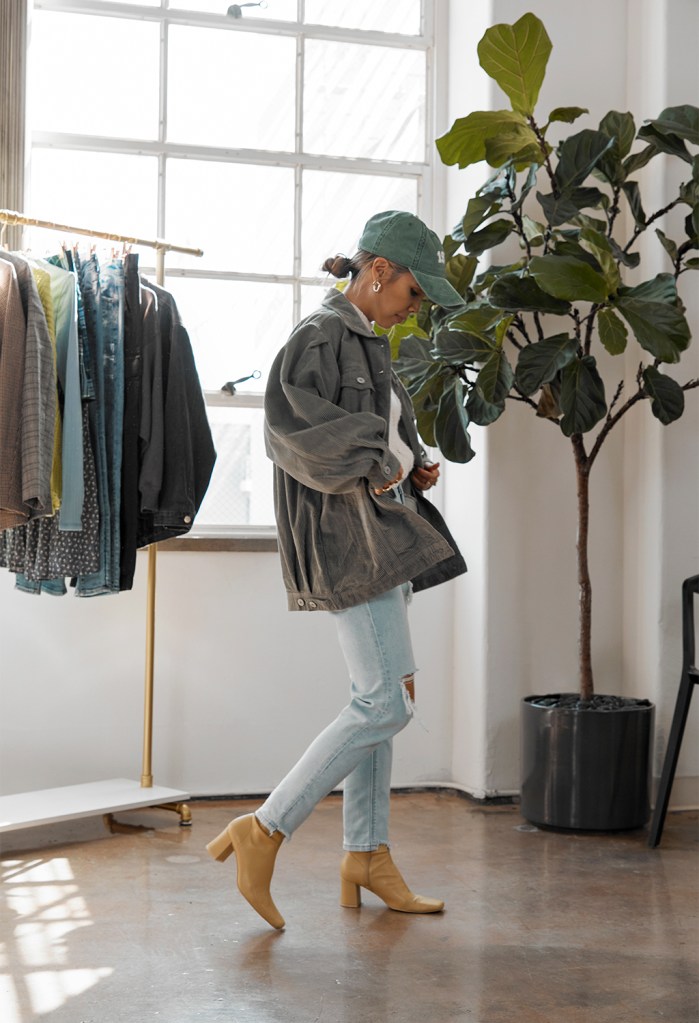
(108,796)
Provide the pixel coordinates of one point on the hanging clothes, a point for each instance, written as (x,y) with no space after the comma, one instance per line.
(125,413)
(39,397)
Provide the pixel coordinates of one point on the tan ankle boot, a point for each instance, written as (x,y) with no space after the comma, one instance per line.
(377,872)
(255,853)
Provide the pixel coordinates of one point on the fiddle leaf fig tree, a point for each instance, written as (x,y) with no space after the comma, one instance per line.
(531,329)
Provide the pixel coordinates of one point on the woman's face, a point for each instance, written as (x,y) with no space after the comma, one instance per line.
(399,296)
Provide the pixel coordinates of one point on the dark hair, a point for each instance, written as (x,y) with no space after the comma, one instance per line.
(342,266)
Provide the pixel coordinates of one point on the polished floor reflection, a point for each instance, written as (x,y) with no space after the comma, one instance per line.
(539,927)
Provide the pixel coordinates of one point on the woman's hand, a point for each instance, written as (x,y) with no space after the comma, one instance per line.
(425,476)
(387,486)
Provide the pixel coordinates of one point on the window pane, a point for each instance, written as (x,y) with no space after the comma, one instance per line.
(240,491)
(82,81)
(337,206)
(370,15)
(276,10)
(230,89)
(235,327)
(386,121)
(312,296)
(241,216)
(101,191)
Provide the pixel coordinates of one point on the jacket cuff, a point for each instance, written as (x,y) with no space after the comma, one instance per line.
(385,471)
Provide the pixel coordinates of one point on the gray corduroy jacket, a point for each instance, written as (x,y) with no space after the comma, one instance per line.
(326,429)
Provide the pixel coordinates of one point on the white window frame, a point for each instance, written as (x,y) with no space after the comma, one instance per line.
(432,37)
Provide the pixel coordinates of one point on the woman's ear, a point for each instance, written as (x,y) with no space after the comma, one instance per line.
(381,269)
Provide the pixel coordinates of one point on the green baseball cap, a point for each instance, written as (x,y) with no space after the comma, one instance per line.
(403,238)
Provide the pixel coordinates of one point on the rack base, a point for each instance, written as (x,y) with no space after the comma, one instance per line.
(47,806)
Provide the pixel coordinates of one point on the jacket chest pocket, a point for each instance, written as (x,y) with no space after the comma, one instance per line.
(357,390)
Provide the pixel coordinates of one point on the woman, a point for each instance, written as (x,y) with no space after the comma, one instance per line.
(355,537)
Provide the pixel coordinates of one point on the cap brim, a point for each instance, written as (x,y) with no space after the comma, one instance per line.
(438,289)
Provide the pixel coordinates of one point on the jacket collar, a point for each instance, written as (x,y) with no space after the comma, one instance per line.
(342,307)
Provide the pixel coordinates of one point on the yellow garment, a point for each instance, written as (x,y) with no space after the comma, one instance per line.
(43,285)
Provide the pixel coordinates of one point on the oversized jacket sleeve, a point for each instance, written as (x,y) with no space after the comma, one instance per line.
(308,434)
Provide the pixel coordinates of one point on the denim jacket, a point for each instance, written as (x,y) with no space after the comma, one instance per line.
(327,408)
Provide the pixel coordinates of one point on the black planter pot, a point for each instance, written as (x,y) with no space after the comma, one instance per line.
(586,768)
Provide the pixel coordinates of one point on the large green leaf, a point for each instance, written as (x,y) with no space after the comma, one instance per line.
(612,331)
(480,411)
(464,143)
(568,278)
(664,142)
(526,188)
(415,365)
(458,347)
(451,424)
(635,161)
(489,236)
(598,246)
(460,270)
(582,397)
(667,396)
(540,362)
(425,424)
(567,114)
(622,129)
(682,121)
(658,327)
(578,155)
(479,208)
(521,146)
(496,377)
(668,244)
(560,209)
(516,57)
(476,319)
(522,294)
(661,288)
(633,194)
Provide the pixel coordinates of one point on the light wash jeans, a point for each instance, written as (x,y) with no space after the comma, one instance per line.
(357,746)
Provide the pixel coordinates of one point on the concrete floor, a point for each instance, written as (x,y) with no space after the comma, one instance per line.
(540,927)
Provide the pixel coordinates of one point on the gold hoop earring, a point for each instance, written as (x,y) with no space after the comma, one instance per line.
(376,287)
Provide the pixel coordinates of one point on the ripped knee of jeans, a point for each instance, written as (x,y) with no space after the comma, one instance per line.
(408,683)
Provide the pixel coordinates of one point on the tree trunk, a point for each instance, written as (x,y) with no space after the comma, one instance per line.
(582,472)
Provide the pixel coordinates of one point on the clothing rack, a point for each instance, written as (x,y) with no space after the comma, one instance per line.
(50,805)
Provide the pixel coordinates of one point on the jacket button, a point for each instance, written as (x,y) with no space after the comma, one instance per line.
(387,470)
(312,604)
(361,380)
(188,518)
(300,602)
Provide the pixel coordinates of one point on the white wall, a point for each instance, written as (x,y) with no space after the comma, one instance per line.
(242,685)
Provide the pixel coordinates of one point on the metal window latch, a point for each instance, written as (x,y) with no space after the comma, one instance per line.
(229,388)
(235,10)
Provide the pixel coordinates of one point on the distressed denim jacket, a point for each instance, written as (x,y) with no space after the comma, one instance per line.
(326,429)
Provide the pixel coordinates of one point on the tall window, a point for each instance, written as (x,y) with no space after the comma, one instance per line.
(264,134)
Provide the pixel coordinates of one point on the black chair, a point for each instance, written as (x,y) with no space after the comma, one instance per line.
(689,678)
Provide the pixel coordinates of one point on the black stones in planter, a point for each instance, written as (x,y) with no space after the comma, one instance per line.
(586,766)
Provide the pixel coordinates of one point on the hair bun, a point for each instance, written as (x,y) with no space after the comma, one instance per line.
(339,266)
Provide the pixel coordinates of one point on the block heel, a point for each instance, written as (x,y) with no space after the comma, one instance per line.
(220,847)
(350,894)
(377,872)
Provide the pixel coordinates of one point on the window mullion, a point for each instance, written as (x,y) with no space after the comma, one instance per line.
(162,129)
(298,170)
